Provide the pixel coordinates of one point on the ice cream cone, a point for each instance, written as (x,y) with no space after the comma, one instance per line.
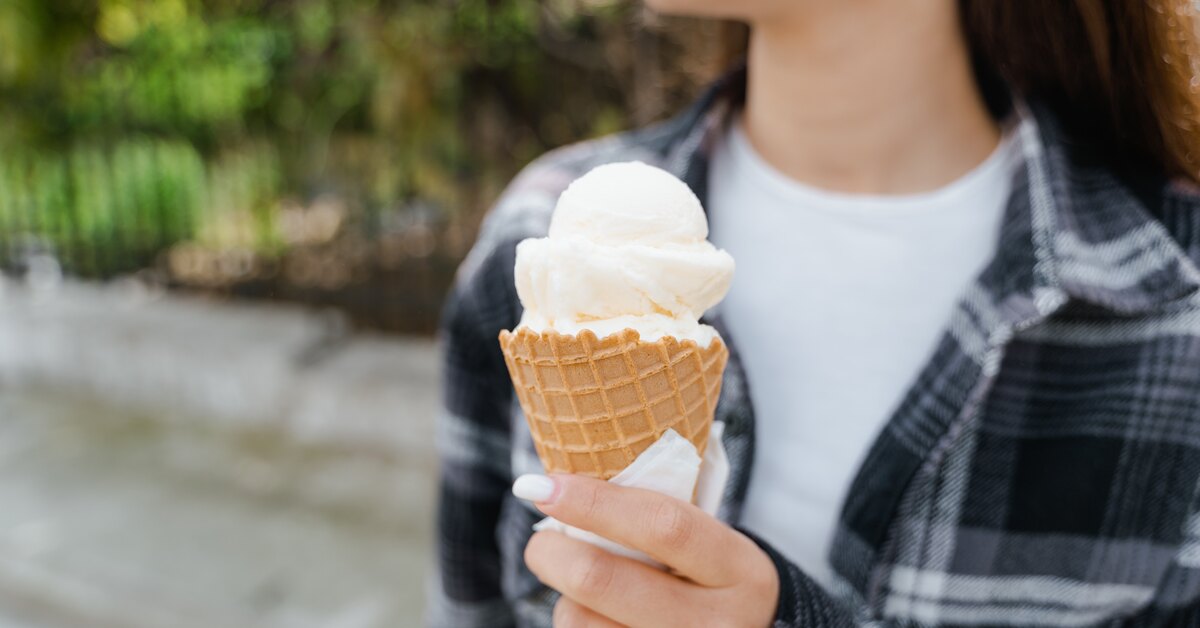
(593,405)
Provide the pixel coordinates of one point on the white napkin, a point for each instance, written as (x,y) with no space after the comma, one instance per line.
(671,467)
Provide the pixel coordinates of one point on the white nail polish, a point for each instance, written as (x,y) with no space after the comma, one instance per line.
(533,487)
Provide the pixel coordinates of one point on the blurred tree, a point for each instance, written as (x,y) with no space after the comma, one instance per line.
(133,127)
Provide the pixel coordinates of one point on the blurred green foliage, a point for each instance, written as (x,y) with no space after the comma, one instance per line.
(129,126)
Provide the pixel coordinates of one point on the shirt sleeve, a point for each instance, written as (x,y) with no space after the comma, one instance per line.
(473,443)
(802,602)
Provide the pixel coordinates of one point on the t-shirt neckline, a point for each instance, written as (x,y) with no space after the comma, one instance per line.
(993,170)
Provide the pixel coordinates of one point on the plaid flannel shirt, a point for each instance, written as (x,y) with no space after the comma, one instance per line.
(1042,471)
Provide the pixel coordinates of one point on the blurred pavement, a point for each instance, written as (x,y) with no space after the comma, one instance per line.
(172,462)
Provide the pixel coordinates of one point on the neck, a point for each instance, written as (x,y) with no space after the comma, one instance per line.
(877,97)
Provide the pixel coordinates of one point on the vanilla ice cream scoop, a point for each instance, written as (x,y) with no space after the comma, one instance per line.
(626,249)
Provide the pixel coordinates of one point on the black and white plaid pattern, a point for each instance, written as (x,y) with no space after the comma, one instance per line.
(1044,470)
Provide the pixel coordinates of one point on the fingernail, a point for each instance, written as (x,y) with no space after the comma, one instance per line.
(534,488)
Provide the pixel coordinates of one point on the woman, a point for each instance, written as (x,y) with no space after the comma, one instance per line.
(965,387)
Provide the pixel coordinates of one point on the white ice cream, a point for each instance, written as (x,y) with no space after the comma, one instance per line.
(626,249)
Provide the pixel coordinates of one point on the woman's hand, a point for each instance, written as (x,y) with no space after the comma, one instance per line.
(719,576)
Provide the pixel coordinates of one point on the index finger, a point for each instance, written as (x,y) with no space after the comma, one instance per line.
(671,531)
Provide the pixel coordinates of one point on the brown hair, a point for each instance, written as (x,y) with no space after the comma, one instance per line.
(1119,73)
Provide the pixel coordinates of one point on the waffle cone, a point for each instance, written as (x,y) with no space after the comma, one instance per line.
(593,405)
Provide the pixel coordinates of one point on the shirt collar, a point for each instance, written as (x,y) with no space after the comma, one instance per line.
(1096,235)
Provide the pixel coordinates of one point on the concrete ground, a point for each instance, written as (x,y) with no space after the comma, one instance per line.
(172,463)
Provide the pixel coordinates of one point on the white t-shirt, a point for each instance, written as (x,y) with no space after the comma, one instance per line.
(837,302)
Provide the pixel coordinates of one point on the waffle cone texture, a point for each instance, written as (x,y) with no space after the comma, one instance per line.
(593,405)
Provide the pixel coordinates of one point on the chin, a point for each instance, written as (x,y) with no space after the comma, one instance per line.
(724,9)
